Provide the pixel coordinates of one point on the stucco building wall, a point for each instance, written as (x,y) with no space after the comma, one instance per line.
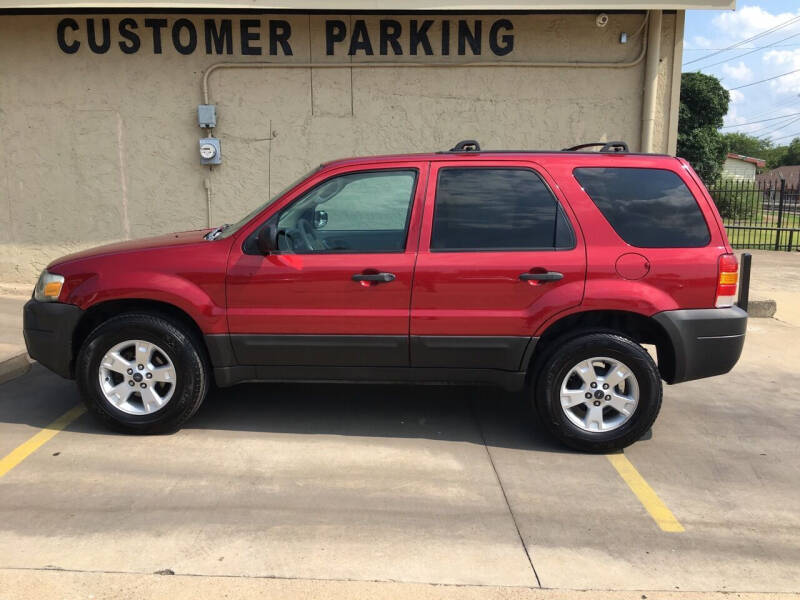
(103,146)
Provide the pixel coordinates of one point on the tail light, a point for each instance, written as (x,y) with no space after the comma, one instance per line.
(728,279)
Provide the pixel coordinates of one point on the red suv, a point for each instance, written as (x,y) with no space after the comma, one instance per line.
(540,269)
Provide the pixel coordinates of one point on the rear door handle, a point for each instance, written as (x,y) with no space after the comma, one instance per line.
(377,277)
(548,276)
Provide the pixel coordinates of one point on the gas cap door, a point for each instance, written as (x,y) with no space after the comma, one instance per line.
(632,266)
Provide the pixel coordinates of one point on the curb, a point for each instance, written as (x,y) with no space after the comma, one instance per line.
(14,367)
(763,309)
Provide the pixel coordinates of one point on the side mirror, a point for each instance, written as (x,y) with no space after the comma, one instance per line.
(320,219)
(268,239)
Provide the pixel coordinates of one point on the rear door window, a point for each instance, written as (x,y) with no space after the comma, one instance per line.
(648,208)
(501,209)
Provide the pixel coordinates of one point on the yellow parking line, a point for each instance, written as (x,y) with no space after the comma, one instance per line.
(647,496)
(24,450)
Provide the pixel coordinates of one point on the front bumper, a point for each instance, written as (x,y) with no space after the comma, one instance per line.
(706,342)
(48,328)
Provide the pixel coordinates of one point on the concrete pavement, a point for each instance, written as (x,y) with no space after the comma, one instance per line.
(776,276)
(315,484)
(11,342)
(13,358)
(34,585)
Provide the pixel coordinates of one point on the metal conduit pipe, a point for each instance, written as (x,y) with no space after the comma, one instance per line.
(439,64)
(651,80)
(443,64)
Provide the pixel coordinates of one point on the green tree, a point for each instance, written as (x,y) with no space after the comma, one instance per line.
(792,154)
(704,102)
(785,155)
(749,145)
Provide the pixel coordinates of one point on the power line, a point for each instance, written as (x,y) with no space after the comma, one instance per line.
(756,48)
(745,53)
(786,103)
(764,132)
(750,39)
(768,132)
(772,128)
(791,135)
(763,80)
(791,101)
(761,121)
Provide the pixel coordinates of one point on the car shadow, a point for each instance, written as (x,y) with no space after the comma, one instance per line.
(448,413)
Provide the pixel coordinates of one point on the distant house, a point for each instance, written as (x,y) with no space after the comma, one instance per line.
(770,183)
(773,178)
(739,166)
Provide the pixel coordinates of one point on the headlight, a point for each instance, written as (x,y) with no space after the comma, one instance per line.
(48,287)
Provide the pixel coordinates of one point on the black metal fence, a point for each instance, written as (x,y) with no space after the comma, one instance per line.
(759,215)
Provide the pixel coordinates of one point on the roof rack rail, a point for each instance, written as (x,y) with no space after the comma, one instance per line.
(605,147)
(474,146)
(466,146)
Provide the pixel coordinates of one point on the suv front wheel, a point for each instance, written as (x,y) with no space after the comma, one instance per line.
(140,373)
(598,392)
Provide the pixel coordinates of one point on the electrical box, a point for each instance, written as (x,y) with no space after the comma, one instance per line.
(207,115)
(210,153)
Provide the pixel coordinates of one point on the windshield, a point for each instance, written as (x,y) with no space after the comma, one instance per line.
(231,229)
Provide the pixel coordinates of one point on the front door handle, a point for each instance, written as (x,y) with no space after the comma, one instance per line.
(376,277)
(547,276)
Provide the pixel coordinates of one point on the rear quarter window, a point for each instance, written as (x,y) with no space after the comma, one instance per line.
(648,208)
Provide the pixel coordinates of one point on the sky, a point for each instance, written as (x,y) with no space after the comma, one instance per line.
(774,53)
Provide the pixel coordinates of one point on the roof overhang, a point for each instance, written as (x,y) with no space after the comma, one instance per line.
(369,5)
(759,162)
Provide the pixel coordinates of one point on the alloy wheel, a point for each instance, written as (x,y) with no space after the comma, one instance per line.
(599,394)
(137,377)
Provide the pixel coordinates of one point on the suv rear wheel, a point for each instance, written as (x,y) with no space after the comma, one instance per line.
(140,373)
(598,392)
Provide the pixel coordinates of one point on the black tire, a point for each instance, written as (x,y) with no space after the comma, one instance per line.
(185,351)
(563,357)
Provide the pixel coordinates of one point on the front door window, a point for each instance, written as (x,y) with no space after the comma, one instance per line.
(364,212)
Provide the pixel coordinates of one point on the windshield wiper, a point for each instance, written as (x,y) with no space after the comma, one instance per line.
(214,233)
